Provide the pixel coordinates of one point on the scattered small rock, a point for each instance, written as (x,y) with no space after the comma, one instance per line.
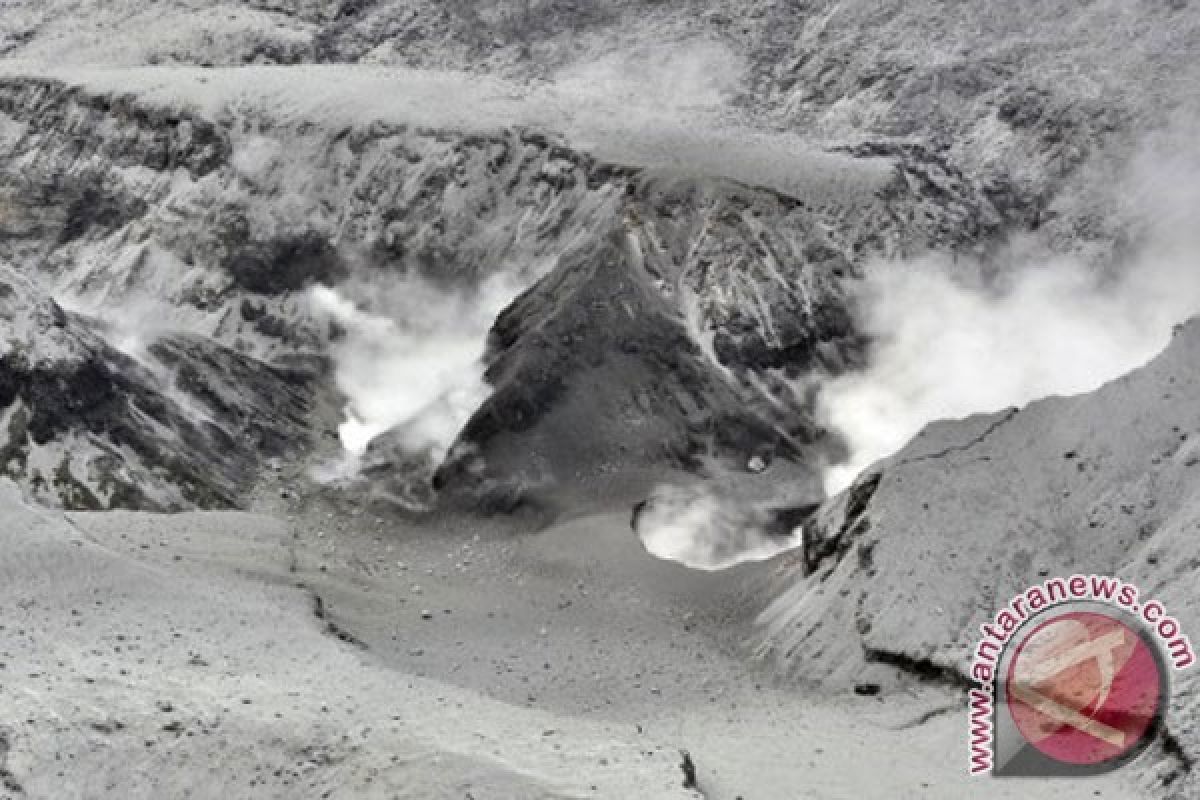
(108,726)
(689,770)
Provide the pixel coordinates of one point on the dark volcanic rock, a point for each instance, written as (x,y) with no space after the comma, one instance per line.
(281,265)
(265,406)
(87,426)
(595,370)
(676,318)
(93,208)
(136,134)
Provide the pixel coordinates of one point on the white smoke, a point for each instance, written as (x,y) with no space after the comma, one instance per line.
(409,361)
(413,362)
(661,80)
(949,343)
(702,529)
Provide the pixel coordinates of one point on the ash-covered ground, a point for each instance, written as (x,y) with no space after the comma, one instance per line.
(528,398)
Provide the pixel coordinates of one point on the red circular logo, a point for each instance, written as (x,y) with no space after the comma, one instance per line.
(1084,688)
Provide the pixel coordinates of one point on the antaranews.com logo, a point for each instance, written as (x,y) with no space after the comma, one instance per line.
(1071,678)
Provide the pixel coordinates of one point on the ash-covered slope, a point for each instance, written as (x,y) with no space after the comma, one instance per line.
(629,170)
(678,313)
(671,335)
(694,326)
(1017,96)
(210,229)
(173,656)
(902,568)
(1016,101)
(87,426)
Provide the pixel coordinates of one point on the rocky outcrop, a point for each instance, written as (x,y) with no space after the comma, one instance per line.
(87,426)
(680,335)
(694,310)
(116,129)
(202,273)
(682,317)
(902,568)
(1017,100)
(95,204)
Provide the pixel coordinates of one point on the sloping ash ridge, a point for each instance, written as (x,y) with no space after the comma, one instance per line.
(905,565)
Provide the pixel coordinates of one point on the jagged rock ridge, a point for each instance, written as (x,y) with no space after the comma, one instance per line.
(688,310)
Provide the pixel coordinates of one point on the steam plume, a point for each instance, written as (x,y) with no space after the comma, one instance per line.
(703,529)
(950,342)
(413,362)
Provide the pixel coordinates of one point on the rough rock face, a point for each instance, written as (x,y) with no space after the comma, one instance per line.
(695,325)
(1017,98)
(264,210)
(87,426)
(688,312)
(195,249)
(693,298)
(635,350)
(902,568)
